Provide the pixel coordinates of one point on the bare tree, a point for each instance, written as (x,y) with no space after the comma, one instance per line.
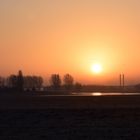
(20,81)
(39,82)
(2,82)
(78,86)
(68,81)
(33,82)
(12,81)
(55,81)
(16,81)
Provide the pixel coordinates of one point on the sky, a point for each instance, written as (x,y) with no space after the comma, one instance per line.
(44,37)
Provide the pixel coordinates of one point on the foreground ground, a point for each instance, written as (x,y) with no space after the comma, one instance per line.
(108,124)
(70,118)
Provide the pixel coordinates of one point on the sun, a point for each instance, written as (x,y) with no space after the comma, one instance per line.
(96,68)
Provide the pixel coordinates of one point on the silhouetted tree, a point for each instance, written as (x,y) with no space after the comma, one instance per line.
(12,81)
(2,82)
(33,82)
(20,81)
(68,81)
(78,86)
(39,82)
(28,82)
(55,81)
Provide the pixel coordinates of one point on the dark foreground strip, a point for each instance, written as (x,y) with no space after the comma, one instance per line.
(70,124)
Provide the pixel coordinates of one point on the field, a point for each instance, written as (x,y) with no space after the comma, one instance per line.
(33,117)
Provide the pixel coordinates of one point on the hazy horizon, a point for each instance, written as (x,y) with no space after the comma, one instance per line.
(69,36)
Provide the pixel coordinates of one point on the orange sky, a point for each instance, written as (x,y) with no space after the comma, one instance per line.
(68,36)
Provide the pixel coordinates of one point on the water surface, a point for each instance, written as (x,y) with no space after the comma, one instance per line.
(95,94)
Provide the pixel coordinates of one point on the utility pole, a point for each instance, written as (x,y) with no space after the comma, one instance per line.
(122,81)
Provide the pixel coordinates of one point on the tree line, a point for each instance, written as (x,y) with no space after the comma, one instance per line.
(20,82)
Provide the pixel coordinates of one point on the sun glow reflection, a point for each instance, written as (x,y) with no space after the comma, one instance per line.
(96,94)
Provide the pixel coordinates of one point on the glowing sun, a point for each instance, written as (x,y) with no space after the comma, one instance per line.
(96,68)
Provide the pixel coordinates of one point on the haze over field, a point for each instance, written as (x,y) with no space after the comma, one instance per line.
(71,36)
